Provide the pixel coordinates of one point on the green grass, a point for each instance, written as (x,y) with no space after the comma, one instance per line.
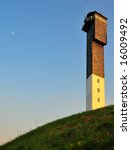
(92,130)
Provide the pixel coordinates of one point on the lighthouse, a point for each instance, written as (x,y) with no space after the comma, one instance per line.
(95,25)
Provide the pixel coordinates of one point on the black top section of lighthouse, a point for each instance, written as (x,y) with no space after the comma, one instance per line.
(95,24)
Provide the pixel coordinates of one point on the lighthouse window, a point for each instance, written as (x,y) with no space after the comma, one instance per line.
(98,81)
(98,99)
(98,90)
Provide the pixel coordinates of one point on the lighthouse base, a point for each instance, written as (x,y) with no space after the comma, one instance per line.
(95,92)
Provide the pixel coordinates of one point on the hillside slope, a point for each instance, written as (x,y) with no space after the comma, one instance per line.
(92,130)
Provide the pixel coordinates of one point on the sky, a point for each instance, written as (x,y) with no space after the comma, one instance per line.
(43,61)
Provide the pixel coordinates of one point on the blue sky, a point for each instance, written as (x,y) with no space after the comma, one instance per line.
(42,61)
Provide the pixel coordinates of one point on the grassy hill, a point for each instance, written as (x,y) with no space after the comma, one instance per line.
(92,130)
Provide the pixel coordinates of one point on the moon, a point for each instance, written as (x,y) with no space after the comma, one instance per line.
(12,33)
